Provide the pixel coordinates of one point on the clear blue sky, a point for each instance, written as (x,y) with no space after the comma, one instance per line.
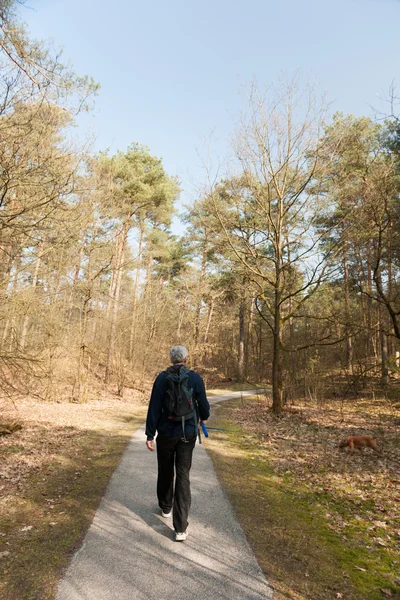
(171,72)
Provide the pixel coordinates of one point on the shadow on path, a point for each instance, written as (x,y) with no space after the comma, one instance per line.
(129,552)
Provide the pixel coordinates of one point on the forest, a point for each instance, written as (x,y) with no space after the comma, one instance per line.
(284,277)
(286,271)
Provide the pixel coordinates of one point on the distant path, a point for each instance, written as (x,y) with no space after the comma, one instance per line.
(231,395)
(129,552)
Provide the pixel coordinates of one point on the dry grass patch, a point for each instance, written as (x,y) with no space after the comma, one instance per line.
(53,474)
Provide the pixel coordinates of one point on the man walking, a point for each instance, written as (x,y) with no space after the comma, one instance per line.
(176,435)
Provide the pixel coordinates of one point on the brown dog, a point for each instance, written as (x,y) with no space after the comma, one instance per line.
(359,442)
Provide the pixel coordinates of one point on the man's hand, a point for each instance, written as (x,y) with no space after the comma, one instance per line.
(150,445)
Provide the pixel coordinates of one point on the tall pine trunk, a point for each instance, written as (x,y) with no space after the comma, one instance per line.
(25,326)
(349,340)
(241,339)
(370,341)
(249,340)
(196,332)
(277,383)
(135,295)
(209,317)
(116,289)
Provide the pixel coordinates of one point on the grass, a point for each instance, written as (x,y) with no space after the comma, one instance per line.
(320,522)
(54,473)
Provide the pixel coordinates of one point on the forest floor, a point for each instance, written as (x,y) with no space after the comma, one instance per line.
(53,473)
(324,523)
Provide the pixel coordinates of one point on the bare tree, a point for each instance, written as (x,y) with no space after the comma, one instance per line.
(270,212)
(33,70)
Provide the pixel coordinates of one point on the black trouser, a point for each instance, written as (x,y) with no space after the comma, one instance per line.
(172,452)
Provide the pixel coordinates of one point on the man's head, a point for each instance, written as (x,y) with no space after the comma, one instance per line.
(178,354)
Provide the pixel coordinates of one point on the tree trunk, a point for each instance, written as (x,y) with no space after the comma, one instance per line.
(119,246)
(349,340)
(196,333)
(135,295)
(119,263)
(382,336)
(249,340)
(370,344)
(277,383)
(209,317)
(390,340)
(13,290)
(241,339)
(384,350)
(181,317)
(260,345)
(6,263)
(77,268)
(27,317)
(82,370)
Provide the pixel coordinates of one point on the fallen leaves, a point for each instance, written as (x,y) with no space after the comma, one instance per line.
(356,491)
(9,428)
(381,524)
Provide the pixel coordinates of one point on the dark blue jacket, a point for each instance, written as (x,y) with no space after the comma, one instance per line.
(157,415)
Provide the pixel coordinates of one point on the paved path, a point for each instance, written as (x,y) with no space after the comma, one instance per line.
(129,552)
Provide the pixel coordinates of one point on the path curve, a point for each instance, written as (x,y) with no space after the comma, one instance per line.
(129,552)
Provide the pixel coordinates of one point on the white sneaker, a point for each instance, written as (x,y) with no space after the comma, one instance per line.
(181,537)
(166,515)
